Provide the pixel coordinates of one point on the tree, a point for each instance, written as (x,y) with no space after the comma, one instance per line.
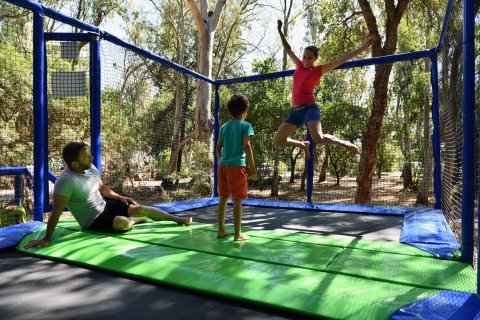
(207,22)
(380,97)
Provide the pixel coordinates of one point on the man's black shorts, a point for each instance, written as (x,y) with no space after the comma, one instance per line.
(104,221)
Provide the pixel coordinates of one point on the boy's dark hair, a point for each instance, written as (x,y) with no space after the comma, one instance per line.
(237,105)
(71,151)
(314,50)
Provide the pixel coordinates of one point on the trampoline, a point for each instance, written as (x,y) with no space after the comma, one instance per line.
(295,261)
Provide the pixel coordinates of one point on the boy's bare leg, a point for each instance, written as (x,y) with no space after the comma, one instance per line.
(156,214)
(221,212)
(237,221)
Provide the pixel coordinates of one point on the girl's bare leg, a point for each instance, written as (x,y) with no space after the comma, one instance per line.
(282,138)
(315,128)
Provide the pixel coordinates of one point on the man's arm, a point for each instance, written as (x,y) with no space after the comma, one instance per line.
(59,203)
(249,152)
(286,45)
(106,192)
(327,67)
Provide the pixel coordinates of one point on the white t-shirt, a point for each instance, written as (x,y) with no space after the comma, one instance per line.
(85,201)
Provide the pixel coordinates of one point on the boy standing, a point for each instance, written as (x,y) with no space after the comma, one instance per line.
(234,151)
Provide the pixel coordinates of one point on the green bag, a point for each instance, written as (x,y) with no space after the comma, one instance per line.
(12,214)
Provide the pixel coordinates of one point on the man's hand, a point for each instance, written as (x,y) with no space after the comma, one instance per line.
(36,243)
(128,201)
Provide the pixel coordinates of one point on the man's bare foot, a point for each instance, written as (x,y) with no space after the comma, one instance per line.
(306,148)
(222,234)
(184,221)
(352,148)
(241,237)
(137,220)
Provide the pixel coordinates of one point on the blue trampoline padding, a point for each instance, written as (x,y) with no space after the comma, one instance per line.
(313,206)
(445,305)
(428,230)
(10,236)
(423,228)
(186,205)
(175,207)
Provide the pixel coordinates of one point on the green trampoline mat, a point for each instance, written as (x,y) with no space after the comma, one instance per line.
(309,274)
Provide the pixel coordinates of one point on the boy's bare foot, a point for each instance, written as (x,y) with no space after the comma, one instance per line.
(241,237)
(137,220)
(306,148)
(222,234)
(352,148)
(184,221)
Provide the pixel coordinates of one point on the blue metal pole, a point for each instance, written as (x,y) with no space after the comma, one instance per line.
(39,121)
(46,190)
(309,168)
(216,133)
(18,190)
(95,104)
(468,148)
(437,173)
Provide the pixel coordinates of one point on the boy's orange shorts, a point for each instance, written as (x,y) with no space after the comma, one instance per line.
(232,182)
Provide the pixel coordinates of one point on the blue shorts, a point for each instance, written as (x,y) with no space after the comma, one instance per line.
(301,115)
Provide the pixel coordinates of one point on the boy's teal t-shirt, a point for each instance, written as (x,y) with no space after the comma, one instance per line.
(232,134)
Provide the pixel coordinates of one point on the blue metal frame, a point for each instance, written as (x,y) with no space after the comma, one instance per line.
(468,148)
(40,106)
(216,133)
(95,104)
(437,173)
(39,120)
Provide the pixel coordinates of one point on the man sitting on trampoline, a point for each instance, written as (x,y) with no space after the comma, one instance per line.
(92,204)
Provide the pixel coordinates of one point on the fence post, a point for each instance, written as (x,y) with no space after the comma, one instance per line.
(40,143)
(95,104)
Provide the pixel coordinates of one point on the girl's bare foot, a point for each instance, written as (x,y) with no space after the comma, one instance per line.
(306,148)
(352,148)
(184,221)
(241,237)
(222,234)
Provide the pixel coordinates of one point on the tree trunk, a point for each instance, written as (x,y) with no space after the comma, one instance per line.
(207,22)
(424,186)
(179,95)
(323,170)
(275,180)
(370,137)
(382,74)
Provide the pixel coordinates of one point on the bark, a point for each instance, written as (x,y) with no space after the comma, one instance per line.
(424,186)
(207,22)
(179,98)
(323,170)
(382,74)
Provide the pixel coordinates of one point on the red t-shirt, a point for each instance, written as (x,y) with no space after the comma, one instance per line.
(304,82)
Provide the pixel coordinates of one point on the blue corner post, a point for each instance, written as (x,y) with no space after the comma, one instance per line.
(40,121)
(437,173)
(216,133)
(309,168)
(18,190)
(95,103)
(468,147)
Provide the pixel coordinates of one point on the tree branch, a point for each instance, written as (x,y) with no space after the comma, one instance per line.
(197,16)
